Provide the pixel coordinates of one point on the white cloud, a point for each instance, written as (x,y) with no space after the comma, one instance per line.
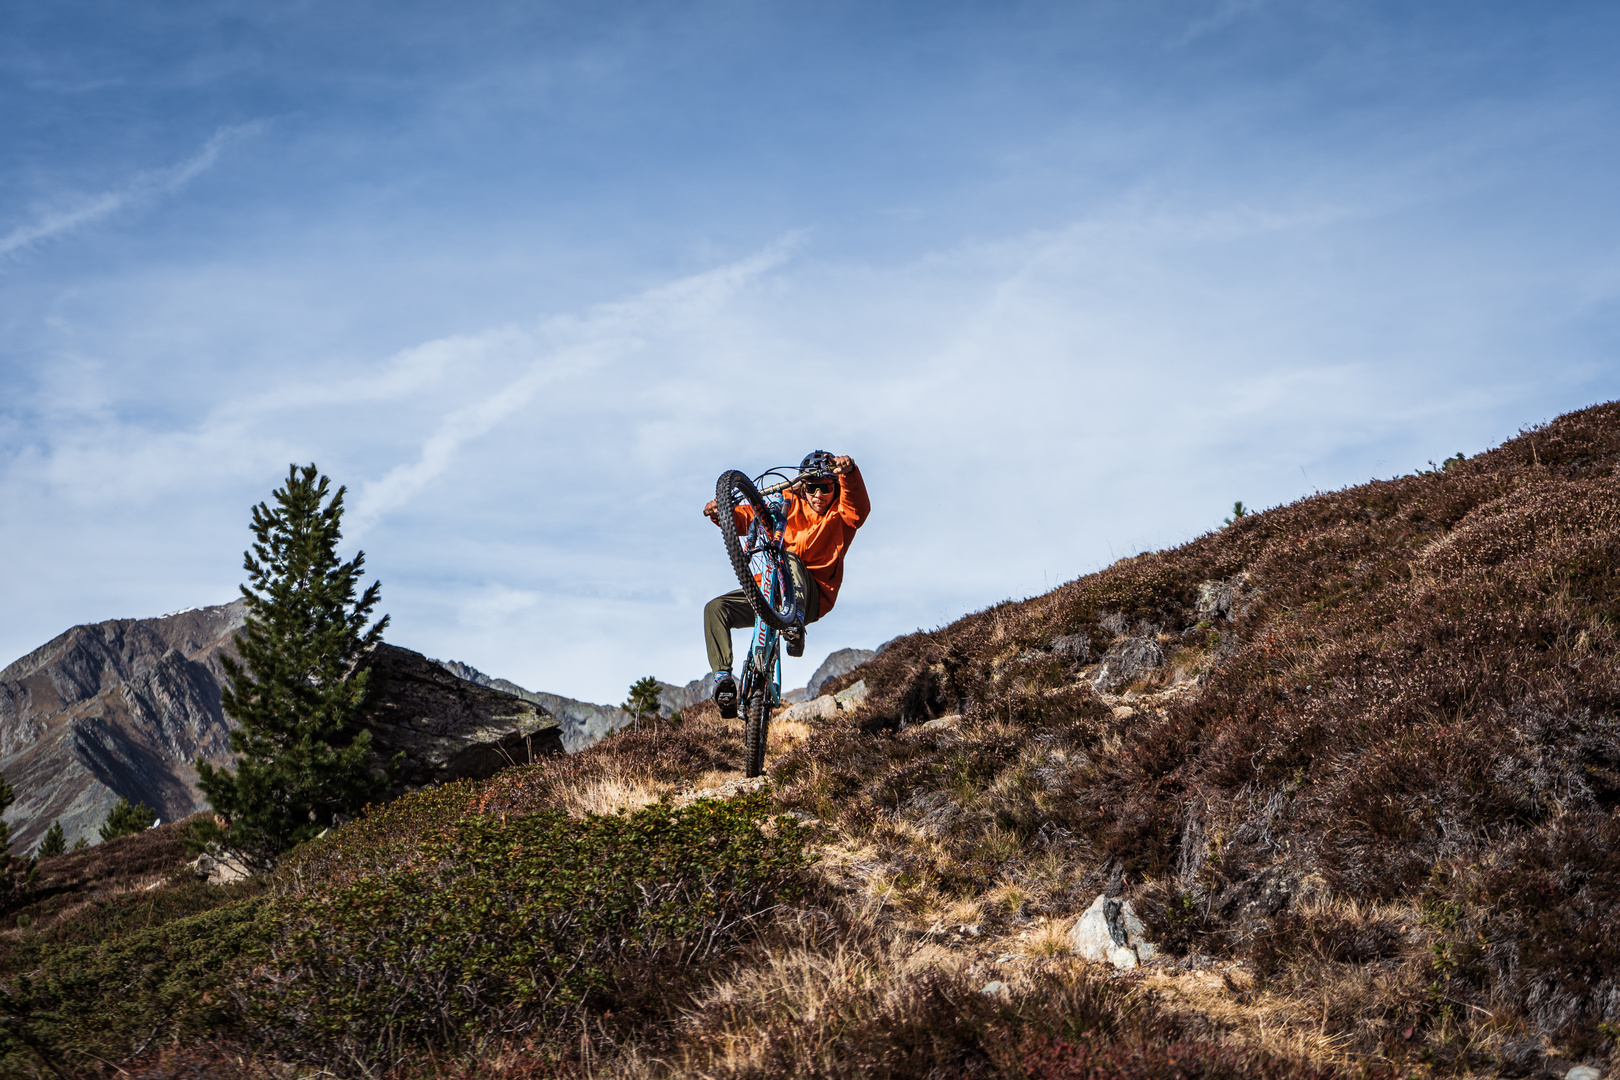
(143,187)
(1026,410)
(564,348)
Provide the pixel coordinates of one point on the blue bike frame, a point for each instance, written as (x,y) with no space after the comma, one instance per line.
(765,654)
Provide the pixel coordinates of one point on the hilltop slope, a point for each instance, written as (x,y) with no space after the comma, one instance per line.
(1406,693)
(1355,761)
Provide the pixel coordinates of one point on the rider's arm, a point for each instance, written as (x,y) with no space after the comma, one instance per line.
(853,504)
(740,515)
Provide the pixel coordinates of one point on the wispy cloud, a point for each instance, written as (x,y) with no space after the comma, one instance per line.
(561,349)
(144,187)
(1226,12)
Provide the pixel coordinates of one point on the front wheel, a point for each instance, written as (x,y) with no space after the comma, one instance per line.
(780,607)
(757,720)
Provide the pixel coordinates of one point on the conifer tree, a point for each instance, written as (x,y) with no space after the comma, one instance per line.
(16,875)
(298,691)
(126,818)
(55,842)
(643,699)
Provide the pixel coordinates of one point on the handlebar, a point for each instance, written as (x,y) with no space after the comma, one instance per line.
(784,485)
(774,488)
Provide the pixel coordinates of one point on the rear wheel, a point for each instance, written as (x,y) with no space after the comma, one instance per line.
(757,713)
(780,609)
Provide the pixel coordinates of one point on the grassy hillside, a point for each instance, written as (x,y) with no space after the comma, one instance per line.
(1354,760)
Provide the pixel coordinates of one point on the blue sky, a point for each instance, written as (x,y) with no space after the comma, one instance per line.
(1066,279)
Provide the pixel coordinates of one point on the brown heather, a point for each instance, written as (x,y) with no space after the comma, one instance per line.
(1416,700)
(1366,804)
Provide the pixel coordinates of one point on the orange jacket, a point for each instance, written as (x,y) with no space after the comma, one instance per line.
(822,541)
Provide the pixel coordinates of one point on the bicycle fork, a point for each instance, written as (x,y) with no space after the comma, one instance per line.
(764,652)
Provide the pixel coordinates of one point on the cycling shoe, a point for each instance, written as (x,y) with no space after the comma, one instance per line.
(794,636)
(725,695)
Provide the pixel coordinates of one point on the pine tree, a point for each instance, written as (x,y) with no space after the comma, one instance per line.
(297,692)
(55,842)
(16,875)
(643,699)
(126,818)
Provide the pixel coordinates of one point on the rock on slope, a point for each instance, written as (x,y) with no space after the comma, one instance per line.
(676,698)
(582,723)
(839,663)
(451,728)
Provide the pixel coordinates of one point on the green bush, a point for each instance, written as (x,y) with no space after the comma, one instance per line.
(125,819)
(55,843)
(493,927)
(68,1003)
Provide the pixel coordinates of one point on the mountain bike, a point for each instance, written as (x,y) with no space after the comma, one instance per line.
(759,558)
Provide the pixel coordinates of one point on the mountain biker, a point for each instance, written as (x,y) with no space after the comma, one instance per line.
(824,507)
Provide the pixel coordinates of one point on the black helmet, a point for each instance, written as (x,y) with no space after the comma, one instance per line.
(817,465)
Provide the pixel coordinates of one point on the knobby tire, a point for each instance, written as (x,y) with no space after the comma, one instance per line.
(730,485)
(757,719)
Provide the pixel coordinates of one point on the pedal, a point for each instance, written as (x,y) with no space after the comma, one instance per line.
(725,696)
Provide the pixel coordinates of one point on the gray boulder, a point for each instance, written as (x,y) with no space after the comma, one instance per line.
(839,663)
(1110,931)
(1074,647)
(447,727)
(1215,600)
(584,724)
(824,707)
(1125,660)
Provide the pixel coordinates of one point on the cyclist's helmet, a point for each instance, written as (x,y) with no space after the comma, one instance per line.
(817,465)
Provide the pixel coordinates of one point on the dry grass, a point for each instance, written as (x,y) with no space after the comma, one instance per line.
(607,794)
(1050,938)
(783,735)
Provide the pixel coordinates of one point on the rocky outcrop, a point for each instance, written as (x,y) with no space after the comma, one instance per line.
(1126,659)
(447,727)
(813,711)
(583,724)
(827,706)
(839,663)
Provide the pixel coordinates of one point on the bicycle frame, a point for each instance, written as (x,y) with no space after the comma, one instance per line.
(765,654)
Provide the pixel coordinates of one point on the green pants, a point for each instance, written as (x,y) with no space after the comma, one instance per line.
(731,612)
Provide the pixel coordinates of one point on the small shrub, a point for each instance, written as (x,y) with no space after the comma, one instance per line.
(71,1001)
(55,843)
(493,927)
(125,819)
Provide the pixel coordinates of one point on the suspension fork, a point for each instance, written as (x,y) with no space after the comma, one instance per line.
(763,649)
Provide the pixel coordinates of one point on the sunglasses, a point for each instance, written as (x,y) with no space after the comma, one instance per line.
(820,489)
